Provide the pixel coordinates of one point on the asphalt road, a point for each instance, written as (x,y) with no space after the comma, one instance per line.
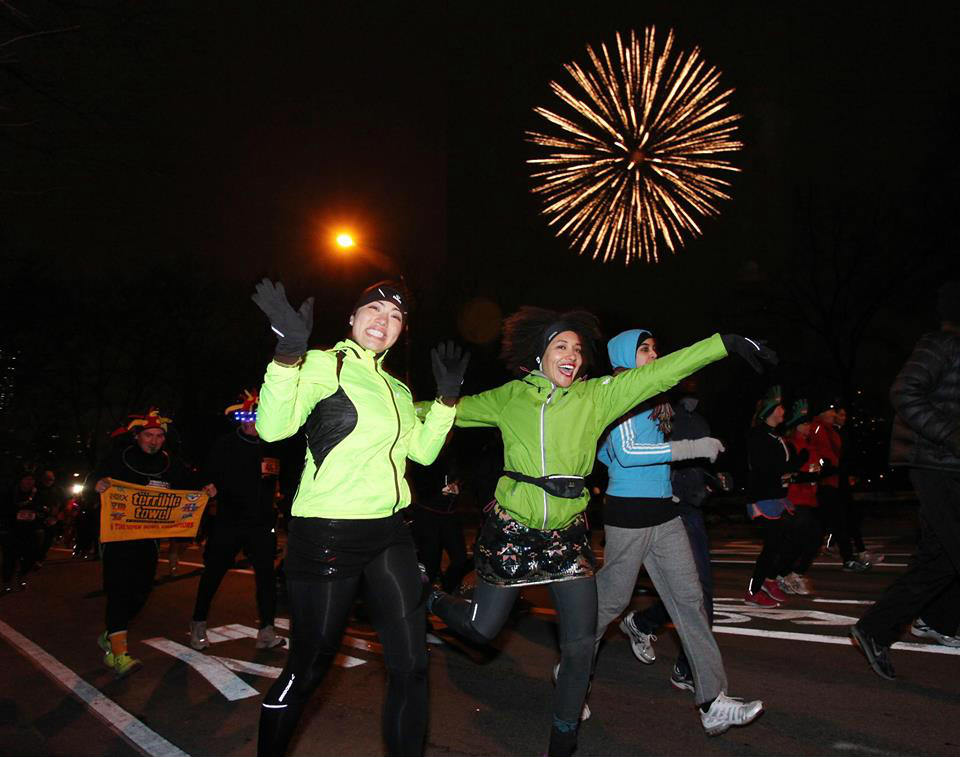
(820,697)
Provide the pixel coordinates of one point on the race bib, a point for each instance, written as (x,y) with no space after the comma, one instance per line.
(26,514)
(269,466)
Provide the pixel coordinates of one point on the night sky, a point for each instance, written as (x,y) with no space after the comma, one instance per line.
(156,153)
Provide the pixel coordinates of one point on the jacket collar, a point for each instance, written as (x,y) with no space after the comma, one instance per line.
(361,353)
(539,380)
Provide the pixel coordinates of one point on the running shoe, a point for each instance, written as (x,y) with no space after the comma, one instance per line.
(922,630)
(870,557)
(124,664)
(585,712)
(771,589)
(103,641)
(727,711)
(760,599)
(682,680)
(641,643)
(785,585)
(856,566)
(432,638)
(198,635)
(267,638)
(875,653)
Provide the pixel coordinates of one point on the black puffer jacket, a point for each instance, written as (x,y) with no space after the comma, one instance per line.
(926,397)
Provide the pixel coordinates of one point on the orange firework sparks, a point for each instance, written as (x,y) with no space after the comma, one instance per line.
(636,159)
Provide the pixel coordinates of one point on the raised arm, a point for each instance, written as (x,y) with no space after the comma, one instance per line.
(290,392)
(428,435)
(615,396)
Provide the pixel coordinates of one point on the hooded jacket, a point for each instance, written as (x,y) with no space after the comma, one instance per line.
(548,429)
(635,453)
(360,425)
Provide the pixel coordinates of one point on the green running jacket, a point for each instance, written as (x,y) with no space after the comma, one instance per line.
(360,426)
(549,430)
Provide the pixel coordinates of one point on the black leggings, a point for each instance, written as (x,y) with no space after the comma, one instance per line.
(128,571)
(393,594)
(781,547)
(576,604)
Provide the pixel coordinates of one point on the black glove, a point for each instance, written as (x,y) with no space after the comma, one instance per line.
(449,365)
(755,353)
(291,326)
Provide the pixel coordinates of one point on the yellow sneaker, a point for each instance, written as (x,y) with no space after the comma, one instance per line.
(104,643)
(124,664)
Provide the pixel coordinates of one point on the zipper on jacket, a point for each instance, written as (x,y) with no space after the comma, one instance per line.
(543,451)
(396,479)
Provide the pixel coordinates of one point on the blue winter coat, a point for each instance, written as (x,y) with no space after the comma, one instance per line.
(636,456)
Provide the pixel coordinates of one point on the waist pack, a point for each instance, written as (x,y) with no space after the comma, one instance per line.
(556,484)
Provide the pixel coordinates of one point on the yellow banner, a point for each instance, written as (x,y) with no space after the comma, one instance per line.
(129,511)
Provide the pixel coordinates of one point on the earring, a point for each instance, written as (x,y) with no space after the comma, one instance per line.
(538,361)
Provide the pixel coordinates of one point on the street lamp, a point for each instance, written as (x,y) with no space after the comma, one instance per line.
(345,240)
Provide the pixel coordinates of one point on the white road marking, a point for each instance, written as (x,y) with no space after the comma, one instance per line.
(234,631)
(821,564)
(824,639)
(844,601)
(231,686)
(846,746)
(118,719)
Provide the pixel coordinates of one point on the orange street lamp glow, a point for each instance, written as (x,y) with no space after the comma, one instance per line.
(345,241)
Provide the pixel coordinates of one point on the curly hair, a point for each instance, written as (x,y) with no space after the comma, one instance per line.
(525,336)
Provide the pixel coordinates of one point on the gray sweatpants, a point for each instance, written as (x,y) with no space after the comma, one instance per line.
(665,552)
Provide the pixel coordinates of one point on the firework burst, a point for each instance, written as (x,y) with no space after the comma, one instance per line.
(639,155)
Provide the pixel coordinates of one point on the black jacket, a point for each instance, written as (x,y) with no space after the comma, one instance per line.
(926,398)
(689,477)
(769,458)
(244,469)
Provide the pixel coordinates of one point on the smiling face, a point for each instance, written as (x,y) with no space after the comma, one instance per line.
(377,325)
(562,360)
(646,351)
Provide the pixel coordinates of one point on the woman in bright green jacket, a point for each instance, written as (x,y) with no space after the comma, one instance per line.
(551,419)
(360,426)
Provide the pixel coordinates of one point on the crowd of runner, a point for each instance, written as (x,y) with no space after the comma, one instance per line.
(349,529)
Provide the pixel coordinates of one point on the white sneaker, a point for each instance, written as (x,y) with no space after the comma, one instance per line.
(585,712)
(794,583)
(641,643)
(432,638)
(870,557)
(267,638)
(198,635)
(922,630)
(727,711)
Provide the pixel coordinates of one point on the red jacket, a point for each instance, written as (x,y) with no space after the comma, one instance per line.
(803,494)
(826,445)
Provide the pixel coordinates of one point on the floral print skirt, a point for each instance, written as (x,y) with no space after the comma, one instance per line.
(509,553)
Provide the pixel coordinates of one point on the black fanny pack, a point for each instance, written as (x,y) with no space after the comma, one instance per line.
(556,484)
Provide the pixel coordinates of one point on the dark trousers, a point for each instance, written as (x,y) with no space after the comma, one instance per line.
(656,616)
(435,532)
(319,609)
(19,552)
(855,522)
(88,531)
(935,568)
(835,505)
(779,552)
(809,536)
(128,571)
(259,545)
(943,613)
(576,604)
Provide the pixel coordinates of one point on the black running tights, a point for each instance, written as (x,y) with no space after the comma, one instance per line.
(319,610)
(576,604)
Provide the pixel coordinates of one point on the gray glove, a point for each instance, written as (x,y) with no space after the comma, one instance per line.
(292,327)
(689,449)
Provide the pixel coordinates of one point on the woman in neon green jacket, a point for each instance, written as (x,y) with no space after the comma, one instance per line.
(361,427)
(551,419)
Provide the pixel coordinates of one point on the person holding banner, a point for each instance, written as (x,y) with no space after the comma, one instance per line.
(129,564)
(245,475)
(361,427)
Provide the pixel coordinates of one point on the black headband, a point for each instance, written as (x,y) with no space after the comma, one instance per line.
(385,292)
